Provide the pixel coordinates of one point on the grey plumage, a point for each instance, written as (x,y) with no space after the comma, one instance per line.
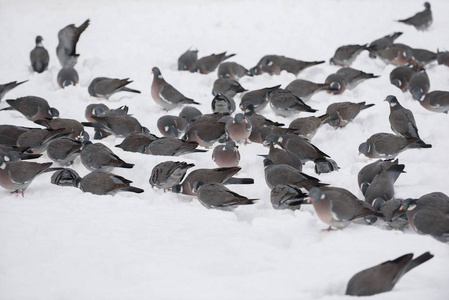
(4,88)
(274,64)
(71,128)
(187,60)
(443,57)
(39,56)
(258,119)
(64,150)
(287,196)
(238,128)
(285,103)
(98,156)
(397,54)
(206,129)
(172,126)
(216,195)
(232,70)
(223,104)
(392,214)
(354,77)
(258,98)
(421,20)
(400,77)
(419,84)
(308,126)
(167,174)
(33,108)
(100,182)
(382,185)
(227,86)
(382,278)
(423,56)
(368,172)
(65,177)
(190,113)
(279,156)
(341,113)
(226,155)
(137,142)
(9,134)
(120,126)
(37,140)
(382,43)
(305,89)
(436,101)
(170,146)
(346,55)
(67,76)
(68,38)
(104,87)
(337,84)
(208,64)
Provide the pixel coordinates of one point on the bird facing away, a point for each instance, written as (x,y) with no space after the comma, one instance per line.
(287,196)
(68,38)
(39,56)
(216,195)
(104,87)
(100,182)
(67,76)
(167,174)
(164,94)
(421,20)
(382,278)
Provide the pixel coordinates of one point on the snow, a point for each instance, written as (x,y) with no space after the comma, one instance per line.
(60,243)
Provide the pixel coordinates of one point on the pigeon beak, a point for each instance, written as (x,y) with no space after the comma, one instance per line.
(401,208)
(245,120)
(236,149)
(309,199)
(360,153)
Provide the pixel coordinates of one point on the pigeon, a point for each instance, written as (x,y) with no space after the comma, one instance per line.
(71,128)
(104,87)
(98,156)
(228,87)
(397,55)
(167,174)
(345,55)
(382,186)
(9,134)
(65,177)
(274,64)
(423,56)
(308,126)
(164,94)
(172,126)
(208,64)
(216,195)
(258,98)
(279,156)
(259,134)
(382,278)
(387,145)
(226,155)
(354,77)
(137,142)
(287,196)
(15,153)
(382,43)
(419,84)
(421,20)
(341,113)
(285,174)
(238,128)
(100,182)
(206,129)
(337,84)
(4,88)
(338,207)
(436,101)
(33,108)
(64,150)
(101,110)
(368,172)
(36,140)
(401,119)
(443,57)
(190,113)
(120,126)
(305,89)
(68,38)
(39,56)
(400,77)
(16,176)
(392,215)
(325,165)
(170,146)
(223,104)
(186,62)
(286,104)
(232,70)
(97,109)
(218,175)
(67,76)
(257,119)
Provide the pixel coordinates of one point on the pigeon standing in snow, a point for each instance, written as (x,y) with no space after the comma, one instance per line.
(238,128)
(436,101)
(228,87)
(232,70)
(341,113)
(208,64)
(64,150)
(98,156)
(68,38)
(67,76)
(287,196)
(419,84)
(4,88)
(258,98)
(368,172)
(345,55)
(397,54)
(421,20)
(103,87)
(186,62)
(33,108)
(305,89)
(382,43)
(382,187)
(226,155)
(308,126)
(286,104)
(400,77)
(274,64)
(100,182)
(172,126)
(39,56)
(167,174)
(223,104)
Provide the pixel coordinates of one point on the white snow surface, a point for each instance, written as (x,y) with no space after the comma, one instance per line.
(61,243)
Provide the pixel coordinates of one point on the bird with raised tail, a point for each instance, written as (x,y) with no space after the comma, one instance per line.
(4,88)
(104,87)
(68,38)
(421,20)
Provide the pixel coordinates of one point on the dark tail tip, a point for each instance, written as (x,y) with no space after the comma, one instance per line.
(133,189)
(127,166)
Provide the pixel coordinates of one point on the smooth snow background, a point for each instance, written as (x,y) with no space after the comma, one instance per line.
(59,243)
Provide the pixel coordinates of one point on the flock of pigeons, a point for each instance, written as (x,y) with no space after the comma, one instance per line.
(289,147)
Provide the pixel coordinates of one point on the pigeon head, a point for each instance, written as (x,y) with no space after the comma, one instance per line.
(408,204)
(182,66)
(315,195)
(377,203)
(240,118)
(332,61)
(156,72)
(427,5)
(197,185)
(231,146)
(91,91)
(54,112)
(99,109)
(396,82)
(177,189)
(363,187)
(417,93)
(12,156)
(272,139)
(392,100)
(248,108)
(267,162)
(333,120)
(39,40)
(364,148)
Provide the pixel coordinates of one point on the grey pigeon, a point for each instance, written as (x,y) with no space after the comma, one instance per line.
(4,88)
(216,195)
(423,56)
(382,186)
(172,126)
(226,155)
(341,113)
(258,119)
(285,174)
(258,98)
(421,20)
(279,156)
(98,156)
(187,60)
(345,55)
(259,134)
(228,87)
(16,176)
(419,84)
(100,182)
(15,153)
(305,89)
(39,56)
(387,145)
(400,77)
(36,140)
(238,128)
(287,196)
(101,110)
(190,113)
(64,150)
(223,104)
(443,57)
(164,94)
(65,177)
(96,109)
(218,175)
(382,278)
(167,174)
(286,104)
(33,108)
(137,142)
(67,76)
(368,172)
(436,101)
(396,54)
(120,126)
(392,214)
(308,126)
(68,38)
(337,84)
(354,77)
(208,64)
(382,43)
(72,128)
(9,134)
(206,129)
(232,70)
(338,207)
(104,87)
(274,64)
(170,146)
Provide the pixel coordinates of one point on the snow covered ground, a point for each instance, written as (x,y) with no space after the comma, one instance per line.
(59,243)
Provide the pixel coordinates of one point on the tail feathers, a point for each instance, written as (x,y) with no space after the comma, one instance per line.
(189,101)
(126,89)
(323,86)
(314,63)
(365,106)
(25,156)
(233,180)
(394,171)
(396,35)
(51,169)
(126,165)
(7,108)
(419,260)
(418,143)
(199,150)
(132,189)
(227,56)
